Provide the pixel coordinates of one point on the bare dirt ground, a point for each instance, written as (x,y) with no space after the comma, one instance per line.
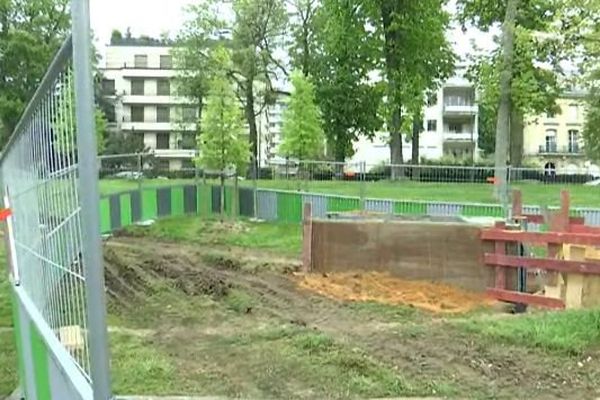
(245,349)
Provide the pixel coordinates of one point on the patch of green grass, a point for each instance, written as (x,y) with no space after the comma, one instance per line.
(569,332)
(138,368)
(5,294)
(386,311)
(534,193)
(8,363)
(280,237)
(294,362)
(239,301)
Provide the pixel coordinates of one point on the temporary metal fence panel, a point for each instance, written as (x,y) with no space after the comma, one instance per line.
(49,179)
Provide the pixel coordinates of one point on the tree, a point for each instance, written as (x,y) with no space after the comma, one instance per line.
(30,34)
(304,30)
(220,141)
(540,42)
(346,54)
(302,129)
(416,57)
(258,26)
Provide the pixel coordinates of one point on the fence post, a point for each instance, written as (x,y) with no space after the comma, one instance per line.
(89,195)
(363,184)
(141,183)
(307,238)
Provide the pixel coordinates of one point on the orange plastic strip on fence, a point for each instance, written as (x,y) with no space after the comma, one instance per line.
(5,213)
(525,298)
(540,237)
(550,264)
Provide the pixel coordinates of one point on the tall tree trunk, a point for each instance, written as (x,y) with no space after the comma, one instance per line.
(392,37)
(253,135)
(516,137)
(503,123)
(416,133)
(396,156)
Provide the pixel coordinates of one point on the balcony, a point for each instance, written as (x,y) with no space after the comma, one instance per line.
(552,149)
(153,126)
(174,153)
(460,109)
(133,72)
(153,99)
(459,136)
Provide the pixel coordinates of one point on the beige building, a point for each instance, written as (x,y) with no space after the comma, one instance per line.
(555,140)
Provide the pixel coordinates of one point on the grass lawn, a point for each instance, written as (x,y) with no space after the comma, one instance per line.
(533,193)
(8,359)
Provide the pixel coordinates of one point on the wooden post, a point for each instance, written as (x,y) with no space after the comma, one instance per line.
(500,248)
(558,222)
(307,238)
(517,206)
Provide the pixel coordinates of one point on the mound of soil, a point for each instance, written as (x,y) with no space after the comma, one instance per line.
(386,289)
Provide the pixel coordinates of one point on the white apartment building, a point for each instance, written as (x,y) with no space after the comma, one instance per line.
(270,124)
(139,78)
(450,127)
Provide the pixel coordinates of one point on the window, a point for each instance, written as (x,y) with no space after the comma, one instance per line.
(137,87)
(137,113)
(108,86)
(455,128)
(550,114)
(163,114)
(431,125)
(573,141)
(162,141)
(189,114)
(166,62)
(573,113)
(188,141)
(550,141)
(140,61)
(163,87)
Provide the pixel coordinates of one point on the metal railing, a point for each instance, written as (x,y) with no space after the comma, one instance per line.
(49,181)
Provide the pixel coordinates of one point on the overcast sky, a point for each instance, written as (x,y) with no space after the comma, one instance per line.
(153,17)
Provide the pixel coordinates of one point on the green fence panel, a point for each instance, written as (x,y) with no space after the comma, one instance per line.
(341,204)
(289,207)
(177,207)
(40,364)
(475,210)
(204,200)
(411,208)
(126,216)
(105,226)
(149,204)
(19,343)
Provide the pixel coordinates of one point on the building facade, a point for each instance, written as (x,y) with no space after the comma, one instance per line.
(139,81)
(554,141)
(450,127)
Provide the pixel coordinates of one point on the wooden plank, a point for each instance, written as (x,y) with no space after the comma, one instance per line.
(581,228)
(574,282)
(500,249)
(307,238)
(531,299)
(550,264)
(540,237)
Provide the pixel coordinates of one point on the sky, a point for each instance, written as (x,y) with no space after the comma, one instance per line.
(154,17)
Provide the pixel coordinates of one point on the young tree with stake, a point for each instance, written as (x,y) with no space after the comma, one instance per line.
(220,141)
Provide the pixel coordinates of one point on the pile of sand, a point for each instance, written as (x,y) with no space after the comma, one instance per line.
(386,289)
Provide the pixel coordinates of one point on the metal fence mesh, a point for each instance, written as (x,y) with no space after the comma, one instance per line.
(40,180)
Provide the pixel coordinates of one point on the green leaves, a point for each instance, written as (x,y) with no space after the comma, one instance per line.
(221,142)
(302,126)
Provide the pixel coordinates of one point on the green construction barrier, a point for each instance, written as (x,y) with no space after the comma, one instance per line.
(40,364)
(341,204)
(126,216)
(177,205)
(482,211)
(149,204)
(105,225)
(410,208)
(204,206)
(289,207)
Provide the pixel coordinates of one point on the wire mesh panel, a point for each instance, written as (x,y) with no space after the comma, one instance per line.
(48,178)
(40,178)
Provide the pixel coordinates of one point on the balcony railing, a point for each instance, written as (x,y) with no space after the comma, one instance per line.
(551,148)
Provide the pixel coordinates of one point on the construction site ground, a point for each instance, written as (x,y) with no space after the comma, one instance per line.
(194,312)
